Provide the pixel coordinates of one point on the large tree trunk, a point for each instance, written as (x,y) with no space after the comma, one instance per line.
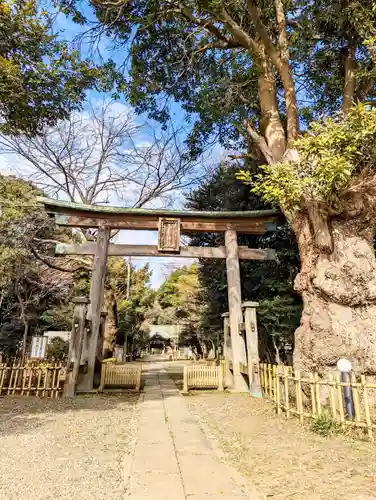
(338,288)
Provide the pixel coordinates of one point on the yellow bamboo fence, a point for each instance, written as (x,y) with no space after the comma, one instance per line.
(203,377)
(121,376)
(307,397)
(42,380)
(206,362)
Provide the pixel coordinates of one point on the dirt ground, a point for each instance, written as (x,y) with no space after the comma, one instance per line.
(65,448)
(281,458)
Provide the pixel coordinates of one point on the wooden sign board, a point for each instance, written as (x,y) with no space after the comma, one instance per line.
(169,235)
(38,347)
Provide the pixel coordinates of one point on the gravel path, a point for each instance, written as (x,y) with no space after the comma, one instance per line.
(66,449)
(283,459)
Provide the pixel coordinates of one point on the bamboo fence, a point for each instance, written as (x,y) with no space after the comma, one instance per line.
(309,396)
(203,377)
(121,376)
(41,380)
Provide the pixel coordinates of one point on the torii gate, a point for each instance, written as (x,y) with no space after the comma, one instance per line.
(170,224)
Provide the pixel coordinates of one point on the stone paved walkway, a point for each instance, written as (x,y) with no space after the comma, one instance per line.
(173,460)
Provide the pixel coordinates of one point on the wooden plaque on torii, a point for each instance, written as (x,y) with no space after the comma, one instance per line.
(169,235)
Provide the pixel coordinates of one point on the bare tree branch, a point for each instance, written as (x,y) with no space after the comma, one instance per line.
(104,155)
(47,261)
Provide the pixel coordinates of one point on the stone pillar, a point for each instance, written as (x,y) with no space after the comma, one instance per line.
(96,302)
(227,349)
(250,320)
(75,346)
(235,310)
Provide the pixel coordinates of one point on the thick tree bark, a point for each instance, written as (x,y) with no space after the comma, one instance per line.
(339,297)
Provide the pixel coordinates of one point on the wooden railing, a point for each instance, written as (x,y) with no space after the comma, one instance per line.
(310,396)
(42,380)
(203,377)
(121,376)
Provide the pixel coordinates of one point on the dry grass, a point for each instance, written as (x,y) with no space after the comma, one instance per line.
(283,459)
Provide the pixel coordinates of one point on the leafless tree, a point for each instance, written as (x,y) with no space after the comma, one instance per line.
(103,155)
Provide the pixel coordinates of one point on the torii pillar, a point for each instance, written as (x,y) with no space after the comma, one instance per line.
(98,276)
(239,354)
(75,345)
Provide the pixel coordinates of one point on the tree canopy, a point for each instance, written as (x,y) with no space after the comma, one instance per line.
(181,300)
(41,79)
(28,287)
(239,66)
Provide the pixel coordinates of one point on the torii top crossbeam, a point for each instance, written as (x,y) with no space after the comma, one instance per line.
(80,215)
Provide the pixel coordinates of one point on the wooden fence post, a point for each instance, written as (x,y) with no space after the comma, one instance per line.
(317,391)
(299,401)
(286,385)
(366,407)
(278,390)
(332,397)
(340,399)
(313,394)
(355,392)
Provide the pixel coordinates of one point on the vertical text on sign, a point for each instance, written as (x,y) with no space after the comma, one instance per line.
(169,235)
(38,347)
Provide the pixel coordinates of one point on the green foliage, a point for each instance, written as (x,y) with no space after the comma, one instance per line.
(57,350)
(28,288)
(58,316)
(132,310)
(333,154)
(41,79)
(280,315)
(324,425)
(178,289)
(175,54)
(184,302)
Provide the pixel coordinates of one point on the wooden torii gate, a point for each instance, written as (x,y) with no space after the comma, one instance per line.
(169,224)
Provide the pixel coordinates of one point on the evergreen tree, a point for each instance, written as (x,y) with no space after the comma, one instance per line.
(268,282)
